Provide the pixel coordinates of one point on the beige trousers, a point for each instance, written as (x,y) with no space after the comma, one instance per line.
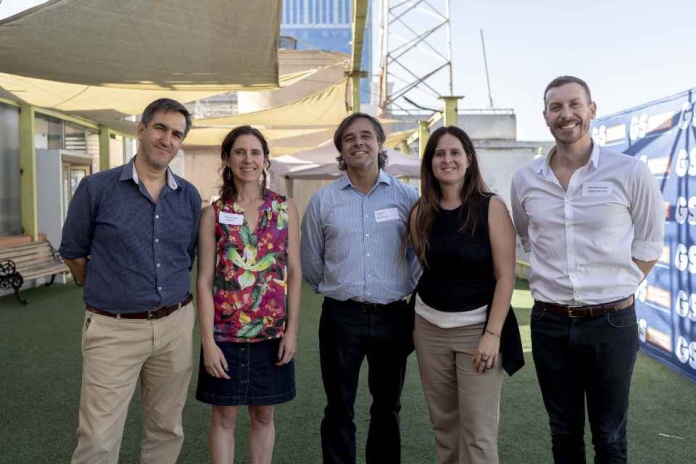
(464,406)
(117,353)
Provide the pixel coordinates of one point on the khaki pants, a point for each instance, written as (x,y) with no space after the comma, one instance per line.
(464,406)
(117,353)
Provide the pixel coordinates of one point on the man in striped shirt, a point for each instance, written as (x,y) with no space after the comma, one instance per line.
(352,235)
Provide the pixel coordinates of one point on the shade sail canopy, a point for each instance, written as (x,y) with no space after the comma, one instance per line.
(395,138)
(146,44)
(103,104)
(209,136)
(320,163)
(324,108)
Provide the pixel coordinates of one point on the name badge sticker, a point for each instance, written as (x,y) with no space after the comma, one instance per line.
(387,214)
(231,218)
(597,189)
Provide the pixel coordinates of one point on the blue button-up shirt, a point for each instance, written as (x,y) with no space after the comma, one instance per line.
(352,242)
(141,252)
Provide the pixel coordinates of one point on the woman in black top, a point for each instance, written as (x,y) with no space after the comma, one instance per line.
(465,242)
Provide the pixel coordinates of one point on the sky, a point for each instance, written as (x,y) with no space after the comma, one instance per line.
(630,52)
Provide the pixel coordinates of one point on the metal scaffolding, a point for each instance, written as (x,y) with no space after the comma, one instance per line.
(416,55)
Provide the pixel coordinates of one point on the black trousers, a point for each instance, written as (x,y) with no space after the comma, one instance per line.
(591,360)
(348,333)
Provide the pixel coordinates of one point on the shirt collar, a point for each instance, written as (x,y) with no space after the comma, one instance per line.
(129,172)
(344,180)
(545,168)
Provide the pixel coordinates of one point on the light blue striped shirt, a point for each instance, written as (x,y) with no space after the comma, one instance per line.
(352,242)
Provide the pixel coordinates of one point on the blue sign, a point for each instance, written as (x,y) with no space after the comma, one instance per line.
(663,135)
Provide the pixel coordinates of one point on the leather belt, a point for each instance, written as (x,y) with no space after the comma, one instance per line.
(585,312)
(366,306)
(154,313)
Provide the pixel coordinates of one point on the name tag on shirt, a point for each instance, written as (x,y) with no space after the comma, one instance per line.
(231,218)
(387,214)
(597,189)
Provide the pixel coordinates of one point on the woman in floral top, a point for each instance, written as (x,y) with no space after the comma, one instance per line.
(249,280)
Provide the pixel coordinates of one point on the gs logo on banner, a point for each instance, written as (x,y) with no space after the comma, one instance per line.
(686,352)
(687,116)
(686,163)
(685,305)
(685,210)
(685,258)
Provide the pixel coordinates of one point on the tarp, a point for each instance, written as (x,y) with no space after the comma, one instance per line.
(394,139)
(146,44)
(103,104)
(322,109)
(662,134)
(320,163)
(214,136)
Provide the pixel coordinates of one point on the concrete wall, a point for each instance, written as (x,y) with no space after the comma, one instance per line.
(489,126)
(201,168)
(480,125)
(500,161)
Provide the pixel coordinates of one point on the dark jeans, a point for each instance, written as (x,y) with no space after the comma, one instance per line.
(347,334)
(586,358)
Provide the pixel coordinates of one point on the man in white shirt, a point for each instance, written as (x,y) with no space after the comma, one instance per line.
(593,223)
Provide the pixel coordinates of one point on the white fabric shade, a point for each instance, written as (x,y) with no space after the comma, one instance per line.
(146,44)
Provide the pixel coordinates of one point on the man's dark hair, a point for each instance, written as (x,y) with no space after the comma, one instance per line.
(166,105)
(379,131)
(563,80)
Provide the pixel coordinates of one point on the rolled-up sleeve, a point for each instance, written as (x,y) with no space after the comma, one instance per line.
(519,216)
(78,230)
(648,214)
(312,244)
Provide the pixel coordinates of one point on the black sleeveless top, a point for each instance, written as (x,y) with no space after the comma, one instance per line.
(459,276)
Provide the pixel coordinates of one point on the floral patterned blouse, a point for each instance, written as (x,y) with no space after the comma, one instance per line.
(250,286)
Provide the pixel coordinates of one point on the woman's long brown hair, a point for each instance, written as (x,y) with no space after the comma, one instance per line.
(428,205)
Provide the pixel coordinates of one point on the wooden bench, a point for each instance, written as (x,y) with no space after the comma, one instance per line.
(28,261)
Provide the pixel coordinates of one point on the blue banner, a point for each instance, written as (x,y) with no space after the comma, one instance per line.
(663,135)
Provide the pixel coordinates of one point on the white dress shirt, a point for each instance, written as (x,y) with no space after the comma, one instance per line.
(582,241)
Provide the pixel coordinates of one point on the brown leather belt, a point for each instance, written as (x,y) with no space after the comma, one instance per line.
(584,312)
(154,313)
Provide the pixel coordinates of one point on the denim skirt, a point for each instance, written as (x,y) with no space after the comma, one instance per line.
(255,380)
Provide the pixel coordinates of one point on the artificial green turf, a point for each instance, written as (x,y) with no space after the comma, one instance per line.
(40,388)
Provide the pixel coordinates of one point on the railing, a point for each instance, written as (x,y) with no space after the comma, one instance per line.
(520,267)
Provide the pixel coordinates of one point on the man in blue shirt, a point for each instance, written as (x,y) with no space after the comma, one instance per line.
(352,253)
(130,239)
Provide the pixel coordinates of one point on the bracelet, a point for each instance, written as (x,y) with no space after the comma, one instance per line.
(495,334)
